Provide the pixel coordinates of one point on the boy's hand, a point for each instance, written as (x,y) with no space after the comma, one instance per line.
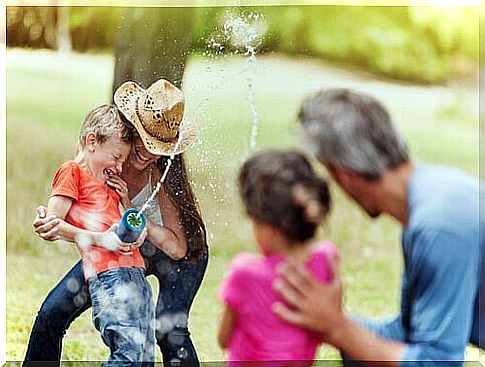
(46,226)
(121,188)
(112,242)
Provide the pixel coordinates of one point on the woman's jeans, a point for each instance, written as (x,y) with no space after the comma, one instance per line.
(178,282)
(124,314)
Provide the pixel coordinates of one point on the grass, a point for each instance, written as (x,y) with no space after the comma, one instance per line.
(49,94)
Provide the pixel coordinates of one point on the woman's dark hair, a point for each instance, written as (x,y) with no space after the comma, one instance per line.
(182,196)
(281,189)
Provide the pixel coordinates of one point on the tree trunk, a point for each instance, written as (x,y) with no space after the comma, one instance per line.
(153,43)
(63,36)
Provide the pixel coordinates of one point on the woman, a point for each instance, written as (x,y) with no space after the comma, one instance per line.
(175,251)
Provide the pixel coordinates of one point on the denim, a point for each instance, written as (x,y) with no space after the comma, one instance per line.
(124,314)
(178,282)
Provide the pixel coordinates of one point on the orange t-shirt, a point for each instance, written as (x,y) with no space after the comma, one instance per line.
(95,208)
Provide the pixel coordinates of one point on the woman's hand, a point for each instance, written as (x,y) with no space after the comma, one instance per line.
(121,188)
(141,239)
(45,226)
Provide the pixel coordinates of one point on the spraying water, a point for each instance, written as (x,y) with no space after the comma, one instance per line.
(162,179)
(158,187)
(240,31)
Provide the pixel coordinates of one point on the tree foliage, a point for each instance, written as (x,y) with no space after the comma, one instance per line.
(422,44)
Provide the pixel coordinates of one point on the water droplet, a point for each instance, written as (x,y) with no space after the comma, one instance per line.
(80,299)
(73,285)
(164,324)
(182,353)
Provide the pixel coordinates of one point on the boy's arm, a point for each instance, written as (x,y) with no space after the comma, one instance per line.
(226,327)
(59,205)
(46,226)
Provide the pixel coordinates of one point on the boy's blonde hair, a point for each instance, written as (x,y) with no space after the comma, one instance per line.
(105,121)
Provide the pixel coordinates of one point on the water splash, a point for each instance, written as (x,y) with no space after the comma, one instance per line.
(240,34)
(159,183)
(182,353)
(242,31)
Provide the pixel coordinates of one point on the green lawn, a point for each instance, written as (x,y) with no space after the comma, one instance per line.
(48,96)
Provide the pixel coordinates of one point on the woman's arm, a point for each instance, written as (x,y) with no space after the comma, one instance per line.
(170,237)
(226,327)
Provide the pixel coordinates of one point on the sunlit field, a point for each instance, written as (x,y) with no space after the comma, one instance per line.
(48,95)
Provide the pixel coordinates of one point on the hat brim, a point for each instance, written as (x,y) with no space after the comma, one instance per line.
(125,98)
(187,136)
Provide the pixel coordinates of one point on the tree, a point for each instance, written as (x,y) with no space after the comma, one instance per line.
(62,35)
(153,43)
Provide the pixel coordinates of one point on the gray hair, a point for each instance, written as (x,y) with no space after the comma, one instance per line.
(352,130)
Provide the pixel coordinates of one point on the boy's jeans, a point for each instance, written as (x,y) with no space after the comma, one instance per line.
(123,311)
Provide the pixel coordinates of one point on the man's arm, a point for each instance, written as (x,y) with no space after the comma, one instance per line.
(360,344)
(226,327)
(445,282)
(445,277)
(318,307)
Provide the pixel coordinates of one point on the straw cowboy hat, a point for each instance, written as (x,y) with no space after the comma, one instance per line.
(158,115)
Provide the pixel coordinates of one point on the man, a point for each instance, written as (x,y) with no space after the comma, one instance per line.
(353,136)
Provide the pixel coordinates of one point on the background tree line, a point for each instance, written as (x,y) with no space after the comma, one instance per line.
(418,44)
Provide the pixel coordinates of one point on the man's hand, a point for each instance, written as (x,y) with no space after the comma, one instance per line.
(318,307)
(45,226)
(315,306)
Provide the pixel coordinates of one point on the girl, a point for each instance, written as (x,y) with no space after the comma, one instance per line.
(285,201)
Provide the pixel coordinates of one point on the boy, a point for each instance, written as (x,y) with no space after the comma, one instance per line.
(88,210)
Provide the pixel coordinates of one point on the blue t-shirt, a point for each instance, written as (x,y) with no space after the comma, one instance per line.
(443,253)
(443,263)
